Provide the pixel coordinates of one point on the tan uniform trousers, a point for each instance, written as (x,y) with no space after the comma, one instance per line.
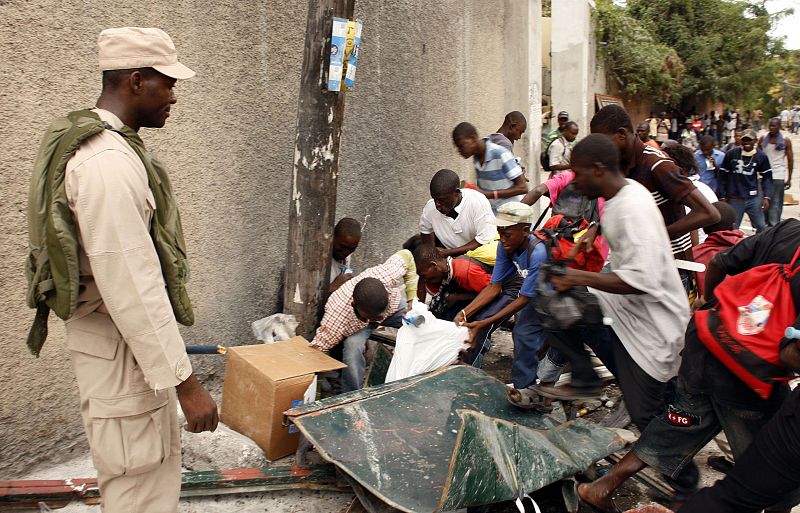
(133,431)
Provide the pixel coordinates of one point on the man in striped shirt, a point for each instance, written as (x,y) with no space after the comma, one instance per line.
(514,125)
(662,177)
(500,178)
(356,308)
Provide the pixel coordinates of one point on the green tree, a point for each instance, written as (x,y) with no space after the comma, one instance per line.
(724,45)
(679,49)
(632,55)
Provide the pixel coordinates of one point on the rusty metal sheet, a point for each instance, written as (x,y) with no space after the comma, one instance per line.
(447,440)
(25,494)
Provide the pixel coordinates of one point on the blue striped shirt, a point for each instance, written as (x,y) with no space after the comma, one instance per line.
(498,172)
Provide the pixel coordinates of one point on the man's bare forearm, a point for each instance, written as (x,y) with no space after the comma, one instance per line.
(469,246)
(714,276)
(535,194)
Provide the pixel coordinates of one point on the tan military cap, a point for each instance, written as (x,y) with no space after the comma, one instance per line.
(134,47)
(513,212)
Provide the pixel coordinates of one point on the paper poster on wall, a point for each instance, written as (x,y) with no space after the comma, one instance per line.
(336,66)
(344,54)
(351,54)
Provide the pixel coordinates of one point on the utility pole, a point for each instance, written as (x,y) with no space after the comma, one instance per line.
(316,165)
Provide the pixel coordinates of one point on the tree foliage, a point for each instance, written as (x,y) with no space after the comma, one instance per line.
(633,57)
(723,47)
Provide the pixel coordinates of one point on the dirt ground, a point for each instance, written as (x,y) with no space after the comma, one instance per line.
(497,363)
(633,493)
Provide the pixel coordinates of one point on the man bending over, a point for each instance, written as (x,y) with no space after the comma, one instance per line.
(356,308)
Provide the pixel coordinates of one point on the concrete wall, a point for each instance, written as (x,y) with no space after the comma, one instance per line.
(425,67)
(548,120)
(571,53)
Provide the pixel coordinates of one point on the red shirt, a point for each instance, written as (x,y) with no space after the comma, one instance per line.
(467,274)
(714,243)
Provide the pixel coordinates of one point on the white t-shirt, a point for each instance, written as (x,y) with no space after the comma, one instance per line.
(708,194)
(559,152)
(337,267)
(473,221)
(777,159)
(651,325)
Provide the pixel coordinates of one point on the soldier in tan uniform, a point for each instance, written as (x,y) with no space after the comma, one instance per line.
(128,355)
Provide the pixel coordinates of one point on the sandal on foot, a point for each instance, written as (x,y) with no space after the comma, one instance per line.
(529,400)
(573,501)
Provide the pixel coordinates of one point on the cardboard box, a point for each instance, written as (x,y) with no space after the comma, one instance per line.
(262,381)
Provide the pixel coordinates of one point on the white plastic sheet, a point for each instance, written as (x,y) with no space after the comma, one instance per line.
(275,328)
(433,345)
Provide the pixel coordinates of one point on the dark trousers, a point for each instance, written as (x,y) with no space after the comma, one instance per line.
(483,342)
(767,471)
(644,395)
(528,336)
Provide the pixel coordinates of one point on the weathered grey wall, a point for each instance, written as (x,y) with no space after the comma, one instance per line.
(571,59)
(425,67)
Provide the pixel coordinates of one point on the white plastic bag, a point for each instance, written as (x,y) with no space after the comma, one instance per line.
(432,345)
(275,328)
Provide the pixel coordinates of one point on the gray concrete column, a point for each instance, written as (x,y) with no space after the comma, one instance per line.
(572,30)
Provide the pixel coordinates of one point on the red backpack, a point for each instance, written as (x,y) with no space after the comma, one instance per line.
(559,232)
(745,328)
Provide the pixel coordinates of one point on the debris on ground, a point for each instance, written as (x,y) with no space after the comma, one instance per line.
(200,453)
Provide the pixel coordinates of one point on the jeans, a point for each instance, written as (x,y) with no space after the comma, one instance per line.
(767,471)
(528,337)
(551,366)
(753,208)
(483,342)
(668,444)
(353,348)
(775,203)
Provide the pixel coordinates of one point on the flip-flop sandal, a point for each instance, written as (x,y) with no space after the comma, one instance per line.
(529,400)
(573,501)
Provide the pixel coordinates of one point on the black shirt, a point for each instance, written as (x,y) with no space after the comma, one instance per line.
(702,371)
(662,177)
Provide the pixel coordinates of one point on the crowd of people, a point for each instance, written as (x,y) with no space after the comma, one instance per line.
(750,170)
(647,208)
(633,211)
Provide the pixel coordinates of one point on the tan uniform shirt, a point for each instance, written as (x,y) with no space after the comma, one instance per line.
(106,186)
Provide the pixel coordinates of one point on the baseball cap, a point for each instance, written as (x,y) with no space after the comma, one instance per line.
(749,134)
(135,47)
(513,212)
(563,114)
